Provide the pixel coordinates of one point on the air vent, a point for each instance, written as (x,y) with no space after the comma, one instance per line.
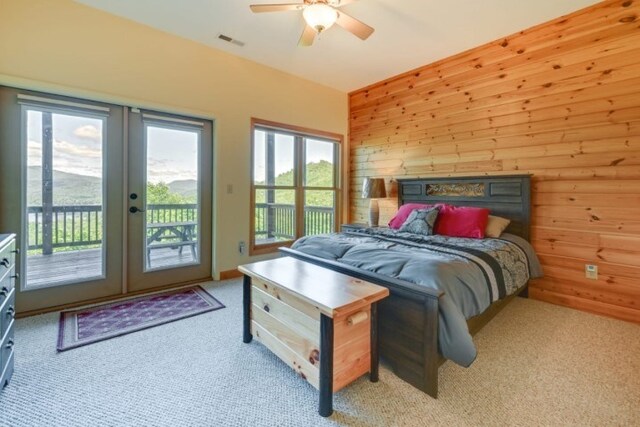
(230,40)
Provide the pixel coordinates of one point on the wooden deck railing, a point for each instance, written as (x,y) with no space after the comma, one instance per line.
(80,226)
(158,214)
(68,226)
(277,221)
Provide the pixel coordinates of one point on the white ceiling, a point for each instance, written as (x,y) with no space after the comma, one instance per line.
(409,33)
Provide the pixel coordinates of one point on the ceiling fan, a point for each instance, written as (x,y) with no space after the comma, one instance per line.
(319,15)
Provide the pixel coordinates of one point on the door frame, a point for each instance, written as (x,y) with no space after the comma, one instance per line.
(14,164)
(138,278)
(9,221)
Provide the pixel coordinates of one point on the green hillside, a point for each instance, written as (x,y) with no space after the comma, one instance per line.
(186,188)
(74,189)
(69,188)
(319,174)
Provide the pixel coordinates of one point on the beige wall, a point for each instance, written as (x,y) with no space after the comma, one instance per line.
(71,49)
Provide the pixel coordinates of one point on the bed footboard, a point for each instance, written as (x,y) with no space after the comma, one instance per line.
(408,324)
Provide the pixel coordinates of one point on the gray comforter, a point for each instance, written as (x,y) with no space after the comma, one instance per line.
(472,273)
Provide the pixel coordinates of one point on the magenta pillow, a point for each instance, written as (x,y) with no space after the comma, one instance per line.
(462,221)
(404,212)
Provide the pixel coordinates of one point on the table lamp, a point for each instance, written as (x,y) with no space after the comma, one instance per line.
(373,188)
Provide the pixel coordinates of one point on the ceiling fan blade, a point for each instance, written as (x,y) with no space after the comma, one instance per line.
(307,37)
(354,26)
(259,8)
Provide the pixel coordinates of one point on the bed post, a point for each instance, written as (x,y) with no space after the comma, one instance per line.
(431,355)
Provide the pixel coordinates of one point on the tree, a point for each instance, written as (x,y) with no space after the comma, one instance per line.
(160,194)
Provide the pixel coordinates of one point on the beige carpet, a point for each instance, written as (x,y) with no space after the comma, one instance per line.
(538,364)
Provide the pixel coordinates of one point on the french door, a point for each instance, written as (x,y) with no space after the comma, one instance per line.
(105,200)
(169,200)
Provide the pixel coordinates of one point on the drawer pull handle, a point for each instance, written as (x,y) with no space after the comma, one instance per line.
(11,311)
(266,308)
(359,317)
(5,291)
(5,262)
(9,344)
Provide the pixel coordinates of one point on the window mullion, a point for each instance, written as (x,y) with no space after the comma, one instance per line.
(298,167)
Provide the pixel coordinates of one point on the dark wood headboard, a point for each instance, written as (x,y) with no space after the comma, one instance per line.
(508,196)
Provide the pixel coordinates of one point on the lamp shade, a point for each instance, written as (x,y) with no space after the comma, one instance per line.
(320,16)
(373,188)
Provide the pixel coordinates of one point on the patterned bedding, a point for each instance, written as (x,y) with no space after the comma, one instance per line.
(472,273)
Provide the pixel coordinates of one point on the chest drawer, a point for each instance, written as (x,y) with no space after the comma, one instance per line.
(7,346)
(7,257)
(6,285)
(7,312)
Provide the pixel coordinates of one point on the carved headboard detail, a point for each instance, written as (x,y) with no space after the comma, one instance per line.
(508,196)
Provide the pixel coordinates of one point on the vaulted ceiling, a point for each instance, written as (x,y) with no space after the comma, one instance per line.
(408,33)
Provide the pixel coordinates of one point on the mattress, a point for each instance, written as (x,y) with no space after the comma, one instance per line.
(472,273)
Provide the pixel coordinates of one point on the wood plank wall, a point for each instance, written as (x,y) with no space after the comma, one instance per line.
(560,101)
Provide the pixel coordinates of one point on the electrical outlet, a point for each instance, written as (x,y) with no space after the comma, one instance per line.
(591,271)
(242,247)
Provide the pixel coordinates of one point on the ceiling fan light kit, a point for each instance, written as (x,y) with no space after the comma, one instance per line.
(319,15)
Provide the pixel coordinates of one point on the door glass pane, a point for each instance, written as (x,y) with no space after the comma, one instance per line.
(64,197)
(319,209)
(172,205)
(275,216)
(319,165)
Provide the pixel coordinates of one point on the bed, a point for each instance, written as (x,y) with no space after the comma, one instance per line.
(418,322)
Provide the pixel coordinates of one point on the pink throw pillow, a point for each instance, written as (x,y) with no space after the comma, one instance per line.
(462,221)
(404,212)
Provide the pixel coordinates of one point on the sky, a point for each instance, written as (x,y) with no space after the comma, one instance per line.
(77,148)
(171,154)
(316,151)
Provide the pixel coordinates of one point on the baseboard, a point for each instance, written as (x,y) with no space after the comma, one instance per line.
(230,274)
(107,299)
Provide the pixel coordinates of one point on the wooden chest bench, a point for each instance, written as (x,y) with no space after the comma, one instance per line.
(322,323)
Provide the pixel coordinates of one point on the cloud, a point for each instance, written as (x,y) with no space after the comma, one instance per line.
(88,132)
(34,153)
(64,147)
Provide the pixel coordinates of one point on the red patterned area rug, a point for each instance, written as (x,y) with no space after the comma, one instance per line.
(99,323)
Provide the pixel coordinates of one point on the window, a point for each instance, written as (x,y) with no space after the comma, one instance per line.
(294,186)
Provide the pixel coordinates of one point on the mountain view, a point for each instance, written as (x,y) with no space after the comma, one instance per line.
(74,189)
(319,174)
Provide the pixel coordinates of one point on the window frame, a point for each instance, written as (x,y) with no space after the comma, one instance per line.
(299,134)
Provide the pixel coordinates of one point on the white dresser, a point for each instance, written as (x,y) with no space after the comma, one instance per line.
(8,277)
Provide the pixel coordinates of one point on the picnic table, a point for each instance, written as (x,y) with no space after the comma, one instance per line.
(180,234)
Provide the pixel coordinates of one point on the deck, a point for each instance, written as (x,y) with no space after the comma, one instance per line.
(76,266)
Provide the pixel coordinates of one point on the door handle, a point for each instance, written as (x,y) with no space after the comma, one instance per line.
(134,209)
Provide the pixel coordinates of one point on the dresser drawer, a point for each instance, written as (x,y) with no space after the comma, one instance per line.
(7,312)
(5,375)
(7,283)
(6,359)
(7,346)
(7,257)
